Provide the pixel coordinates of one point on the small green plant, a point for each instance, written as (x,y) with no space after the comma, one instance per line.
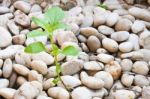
(103,6)
(52,21)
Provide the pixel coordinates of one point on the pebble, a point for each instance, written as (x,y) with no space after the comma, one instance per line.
(58,92)
(51,72)
(126,47)
(22,19)
(1,63)
(112,19)
(106,77)
(43,56)
(70,81)
(121,12)
(4,10)
(87,21)
(20,69)
(39,66)
(88,31)
(114,69)
(4,83)
(129,82)
(48,83)
(140,80)
(105,58)
(145,92)
(93,66)
(91,82)
(99,19)
(123,25)
(7,93)
(20,80)
(35,8)
(145,39)
(105,30)
(34,75)
(138,26)
(65,36)
(72,67)
(24,92)
(140,67)
(22,6)
(140,13)
(13,27)
(5,37)
(19,39)
(120,36)
(126,65)
(134,39)
(81,93)
(7,68)
(110,45)
(124,94)
(93,43)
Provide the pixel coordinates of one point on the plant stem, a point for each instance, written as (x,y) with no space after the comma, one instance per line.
(58,67)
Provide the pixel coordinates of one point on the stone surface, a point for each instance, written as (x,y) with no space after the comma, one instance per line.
(5,37)
(23,6)
(140,13)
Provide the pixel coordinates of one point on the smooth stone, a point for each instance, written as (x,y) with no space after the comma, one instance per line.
(88,31)
(7,68)
(124,94)
(140,67)
(106,77)
(39,66)
(4,10)
(5,37)
(105,30)
(7,93)
(110,45)
(43,56)
(93,66)
(22,19)
(93,43)
(123,25)
(23,6)
(72,67)
(126,47)
(20,69)
(112,19)
(120,36)
(140,13)
(13,27)
(138,26)
(141,81)
(58,93)
(4,83)
(81,93)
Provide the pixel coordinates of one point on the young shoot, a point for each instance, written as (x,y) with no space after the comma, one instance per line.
(46,26)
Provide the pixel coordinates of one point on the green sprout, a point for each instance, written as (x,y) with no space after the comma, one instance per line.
(52,21)
(103,6)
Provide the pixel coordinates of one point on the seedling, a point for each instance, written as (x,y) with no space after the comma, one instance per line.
(103,6)
(52,21)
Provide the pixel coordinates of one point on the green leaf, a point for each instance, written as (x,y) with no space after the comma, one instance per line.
(35,47)
(55,81)
(103,6)
(36,33)
(41,22)
(56,50)
(70,50)
(54,15)
(61,26)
